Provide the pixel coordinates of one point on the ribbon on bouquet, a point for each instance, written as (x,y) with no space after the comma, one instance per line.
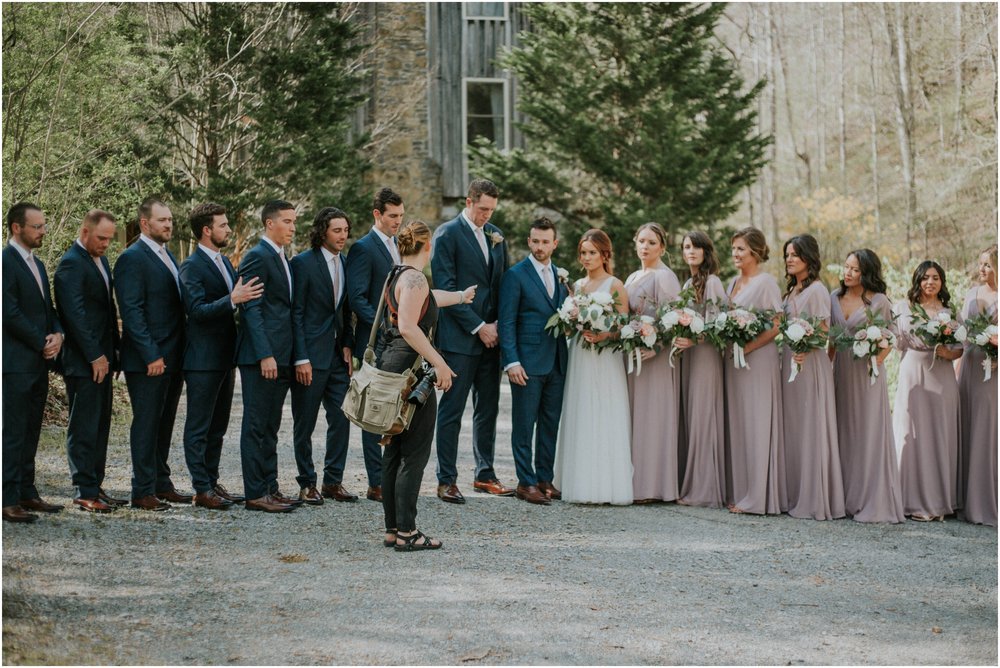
(934,355)
(987,369)
(873,373)
(674,352)
(635,361)
(739,357)
(796,367)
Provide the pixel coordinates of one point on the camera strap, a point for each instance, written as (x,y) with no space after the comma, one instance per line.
(385,300)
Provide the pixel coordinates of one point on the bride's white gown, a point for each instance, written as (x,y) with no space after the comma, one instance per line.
(593,452)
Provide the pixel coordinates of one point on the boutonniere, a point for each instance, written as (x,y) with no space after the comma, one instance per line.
(563,276)
(496,239)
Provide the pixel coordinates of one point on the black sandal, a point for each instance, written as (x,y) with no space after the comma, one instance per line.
(410,543)
(390,542)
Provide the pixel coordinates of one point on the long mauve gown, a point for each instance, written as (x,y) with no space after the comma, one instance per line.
(864,425)
(654,396)
(812,453)
(704,412)
(753,396)
(925,422)
(979,423)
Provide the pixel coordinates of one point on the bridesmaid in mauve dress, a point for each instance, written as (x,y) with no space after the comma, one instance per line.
(864,423)
(926,413)
(812,454)
(654,392)
(979,406)
(753,394)
(702,389)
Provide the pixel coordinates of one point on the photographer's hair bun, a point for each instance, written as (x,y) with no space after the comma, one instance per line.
(412,236)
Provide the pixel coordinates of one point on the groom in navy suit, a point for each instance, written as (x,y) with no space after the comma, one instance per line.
(469,251)
(535,362)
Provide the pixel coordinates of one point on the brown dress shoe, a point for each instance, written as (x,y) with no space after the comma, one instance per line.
(150,502)
(18,514)
(212,501)
(174,496)
(549,490)
(374,493)
(311,496)
(531,494)
(225,494)
(110,500)
(96,505)
(450,493)
(494,487)
(338,493)
(268,504)
(278,497)
(40,506)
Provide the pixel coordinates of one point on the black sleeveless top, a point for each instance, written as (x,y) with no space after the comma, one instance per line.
(393,353)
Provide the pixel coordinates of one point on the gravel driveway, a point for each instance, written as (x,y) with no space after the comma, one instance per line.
(515,584)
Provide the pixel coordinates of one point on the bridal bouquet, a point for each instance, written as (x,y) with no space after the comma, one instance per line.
(802,335)
(593,312)
(941,330)
(867,342)
(982,329)
(739,327)
(637,333)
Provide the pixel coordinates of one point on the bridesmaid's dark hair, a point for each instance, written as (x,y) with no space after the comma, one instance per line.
(871,274)
(709,263)
(918,276)
(807,248)
(601,242)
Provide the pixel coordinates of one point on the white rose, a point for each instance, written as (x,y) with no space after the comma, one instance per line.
(720,320)
(991,330)
(649,339)
(670,318)
(602,298)
(627,332)
(933,326)
(860,348)
(874,333)
(982,339)
(943,315)
(961,333)
(795,332)
(697,325)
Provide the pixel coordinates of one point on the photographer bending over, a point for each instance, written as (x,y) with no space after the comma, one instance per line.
(402,339)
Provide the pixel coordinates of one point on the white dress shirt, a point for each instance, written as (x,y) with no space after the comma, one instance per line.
(284,262)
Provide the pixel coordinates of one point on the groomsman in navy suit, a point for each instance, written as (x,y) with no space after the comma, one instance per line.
(149,301)
(368,263)
(211,293)
(469,251)
(534,360)
(321,325)
(86,303)
(32,339)
(264,355)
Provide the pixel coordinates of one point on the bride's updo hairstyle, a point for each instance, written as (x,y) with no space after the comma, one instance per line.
(412,237)
(755,242)
(601,242)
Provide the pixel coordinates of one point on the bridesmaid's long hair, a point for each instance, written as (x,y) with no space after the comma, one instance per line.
(756,242)
(871,274)
(918,275)
(601,242)
(992,252)
(709,263)
(807,249)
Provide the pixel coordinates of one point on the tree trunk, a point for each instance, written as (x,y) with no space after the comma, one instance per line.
(959,86)
(895,26)
(841,115)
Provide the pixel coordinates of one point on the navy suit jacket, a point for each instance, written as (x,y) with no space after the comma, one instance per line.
(525,307)
(28,315)
(87,311)
(210,342)
(152,314)
(266,322)
(322,328)
(368,264)
(456,263)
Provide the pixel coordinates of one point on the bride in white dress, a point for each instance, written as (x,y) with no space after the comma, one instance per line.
(593,452)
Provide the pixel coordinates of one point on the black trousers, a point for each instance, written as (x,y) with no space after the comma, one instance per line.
(403,463)
(263,401)
(328,387)
(154,408)
(209,403)
(23,407)
(87,433)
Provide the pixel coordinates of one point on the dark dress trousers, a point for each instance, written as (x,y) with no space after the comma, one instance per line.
(321,325)
(28,317)
(525,307)
(86,307)
(457,262)
(265,331)
(209,363)
(152,314)
(368,265)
